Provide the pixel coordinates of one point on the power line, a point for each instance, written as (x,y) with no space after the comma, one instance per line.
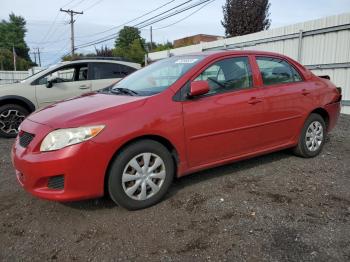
(132,20)
(112,36)
(68,3)
(75,5)
(174,13)
(53,23)
(94,4)
(167,11)
(182,19)
(50,28)
(60,54)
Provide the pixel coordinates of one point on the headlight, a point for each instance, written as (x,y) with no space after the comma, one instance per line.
(61,138)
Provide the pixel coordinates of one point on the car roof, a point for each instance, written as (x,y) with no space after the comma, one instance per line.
(135,65)
(233,52)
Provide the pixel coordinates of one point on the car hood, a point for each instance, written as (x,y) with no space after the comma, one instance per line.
(91,109)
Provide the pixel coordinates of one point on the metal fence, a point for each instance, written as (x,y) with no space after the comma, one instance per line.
(322,45)
(8,77)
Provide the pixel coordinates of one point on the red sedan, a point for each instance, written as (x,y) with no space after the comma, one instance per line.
(171,118)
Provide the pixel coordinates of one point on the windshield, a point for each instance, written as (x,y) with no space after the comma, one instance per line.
(158,76)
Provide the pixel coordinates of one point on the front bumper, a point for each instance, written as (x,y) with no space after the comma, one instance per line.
(83,167)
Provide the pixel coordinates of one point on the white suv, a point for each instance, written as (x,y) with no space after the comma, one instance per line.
(62,81)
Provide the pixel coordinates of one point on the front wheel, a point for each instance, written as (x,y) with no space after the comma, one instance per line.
(11,116)
(312,137)
(140,175)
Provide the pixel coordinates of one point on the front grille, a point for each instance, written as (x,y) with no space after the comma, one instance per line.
(56,182)
(25,138)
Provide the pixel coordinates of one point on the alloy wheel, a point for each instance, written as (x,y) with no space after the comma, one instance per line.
(10,120)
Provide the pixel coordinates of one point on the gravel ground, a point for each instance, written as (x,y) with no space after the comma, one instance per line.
(276,207)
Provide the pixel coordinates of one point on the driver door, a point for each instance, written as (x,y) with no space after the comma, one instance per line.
(68,81)
(226,122)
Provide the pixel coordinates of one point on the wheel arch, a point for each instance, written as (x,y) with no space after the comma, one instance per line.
(164,141)
(323,113)
(18,100)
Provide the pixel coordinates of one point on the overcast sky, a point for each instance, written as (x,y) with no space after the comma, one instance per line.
(49,30)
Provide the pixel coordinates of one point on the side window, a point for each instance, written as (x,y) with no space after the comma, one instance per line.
(109,70)
(65,74)
(76,72)
(82,73)
(277,71)
(228,74)
(296,75)
(104,71)
(126,70)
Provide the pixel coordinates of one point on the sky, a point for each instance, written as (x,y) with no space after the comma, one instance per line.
(49,30)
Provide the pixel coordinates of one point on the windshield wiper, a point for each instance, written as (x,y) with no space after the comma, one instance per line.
(122,90)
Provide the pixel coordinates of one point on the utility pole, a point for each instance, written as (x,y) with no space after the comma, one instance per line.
(14,58)
(37,53)
(39,56)
(71,13)
(34,53)
(151,39)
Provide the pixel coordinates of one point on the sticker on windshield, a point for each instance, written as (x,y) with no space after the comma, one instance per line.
(186,61)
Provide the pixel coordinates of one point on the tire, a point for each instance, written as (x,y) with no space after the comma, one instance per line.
(11,116)
(312,137)
(134,157)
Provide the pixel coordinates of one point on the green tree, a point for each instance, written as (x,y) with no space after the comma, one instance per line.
(165,46)
(104,51)
(129,44)
(12,33)
(243,17)
(77,56)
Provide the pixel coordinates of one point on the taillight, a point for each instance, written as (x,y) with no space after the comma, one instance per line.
(339,90)
(340,95)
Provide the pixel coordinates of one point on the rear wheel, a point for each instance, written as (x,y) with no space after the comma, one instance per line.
(11,116)
(140,175)
(312,137)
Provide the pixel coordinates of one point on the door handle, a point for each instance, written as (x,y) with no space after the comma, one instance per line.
(305,92)
(254,100)
(84,87)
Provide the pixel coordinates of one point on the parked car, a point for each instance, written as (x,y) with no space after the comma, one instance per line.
(171,118)
(65,80)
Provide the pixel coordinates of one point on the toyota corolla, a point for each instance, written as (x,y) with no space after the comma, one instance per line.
(171,118)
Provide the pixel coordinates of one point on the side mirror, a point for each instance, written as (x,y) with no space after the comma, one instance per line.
(50,81)
(200,87)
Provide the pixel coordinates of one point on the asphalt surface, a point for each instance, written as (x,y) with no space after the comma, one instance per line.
(277,207)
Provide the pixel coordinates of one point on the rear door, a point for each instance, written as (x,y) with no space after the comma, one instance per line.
(287,99)
(71,80)
(103,74)
(225,122)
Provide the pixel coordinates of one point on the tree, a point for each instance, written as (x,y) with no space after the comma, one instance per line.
(104,51)
(129,44)
(161,47)
(12,33)
(243,17)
